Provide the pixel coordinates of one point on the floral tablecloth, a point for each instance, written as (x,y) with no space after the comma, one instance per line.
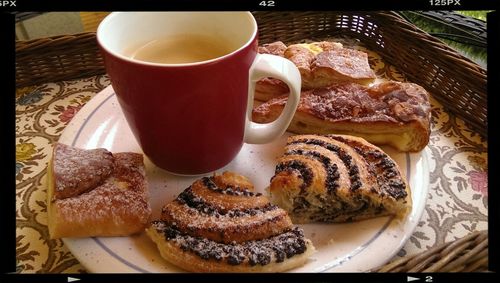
(457,201)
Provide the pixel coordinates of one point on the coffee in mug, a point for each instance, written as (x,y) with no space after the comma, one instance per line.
(178,49)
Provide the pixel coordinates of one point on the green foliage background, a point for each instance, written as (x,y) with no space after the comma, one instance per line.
(475,53)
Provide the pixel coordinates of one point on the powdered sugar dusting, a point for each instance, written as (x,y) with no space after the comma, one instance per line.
(78,170)
(230,197)
(196,219)
(120,201)
(349,62)
(221,216)
(227,227)
(273,249)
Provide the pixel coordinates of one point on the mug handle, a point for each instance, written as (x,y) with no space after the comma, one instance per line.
(266,65)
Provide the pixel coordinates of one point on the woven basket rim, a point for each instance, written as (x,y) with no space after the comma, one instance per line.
(466,81)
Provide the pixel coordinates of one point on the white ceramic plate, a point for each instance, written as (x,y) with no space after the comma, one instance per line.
(350,247)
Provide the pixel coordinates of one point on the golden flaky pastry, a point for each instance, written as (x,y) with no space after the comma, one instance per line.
(320,64)
(96,193)
(390,113)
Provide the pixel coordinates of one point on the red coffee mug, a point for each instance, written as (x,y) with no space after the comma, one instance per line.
(193,118)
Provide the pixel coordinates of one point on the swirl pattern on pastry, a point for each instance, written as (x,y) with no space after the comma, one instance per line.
(220,224)
(341,178)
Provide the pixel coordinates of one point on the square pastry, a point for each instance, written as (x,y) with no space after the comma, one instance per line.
(96,193)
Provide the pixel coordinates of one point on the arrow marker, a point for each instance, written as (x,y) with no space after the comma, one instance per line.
(72,279)
(409,278)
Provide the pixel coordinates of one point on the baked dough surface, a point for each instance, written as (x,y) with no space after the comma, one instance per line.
(320,64)
(338,178)
(114,205)
(219,224)
(390,113)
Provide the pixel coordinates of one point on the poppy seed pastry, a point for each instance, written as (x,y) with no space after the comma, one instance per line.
(337,178)
(219,224)
(389,113)
(96,193)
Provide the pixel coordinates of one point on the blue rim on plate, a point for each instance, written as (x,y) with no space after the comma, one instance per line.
(325,268)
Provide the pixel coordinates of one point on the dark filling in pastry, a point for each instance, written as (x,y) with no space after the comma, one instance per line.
(229,190)
(346,159)
(380,166)
(305,172)
(263,252)
(331,169)
(333,209)
(188,198)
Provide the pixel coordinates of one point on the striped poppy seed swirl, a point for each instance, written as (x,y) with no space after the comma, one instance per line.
(260,252)
(346,159)
(305,172)
(355,180)
(202,210)
(331,169)
(189,198)
(216,225)
(230,190)
(388,177)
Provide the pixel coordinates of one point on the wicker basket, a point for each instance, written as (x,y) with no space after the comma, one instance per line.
(458,83)
(468,254)
(57,58)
